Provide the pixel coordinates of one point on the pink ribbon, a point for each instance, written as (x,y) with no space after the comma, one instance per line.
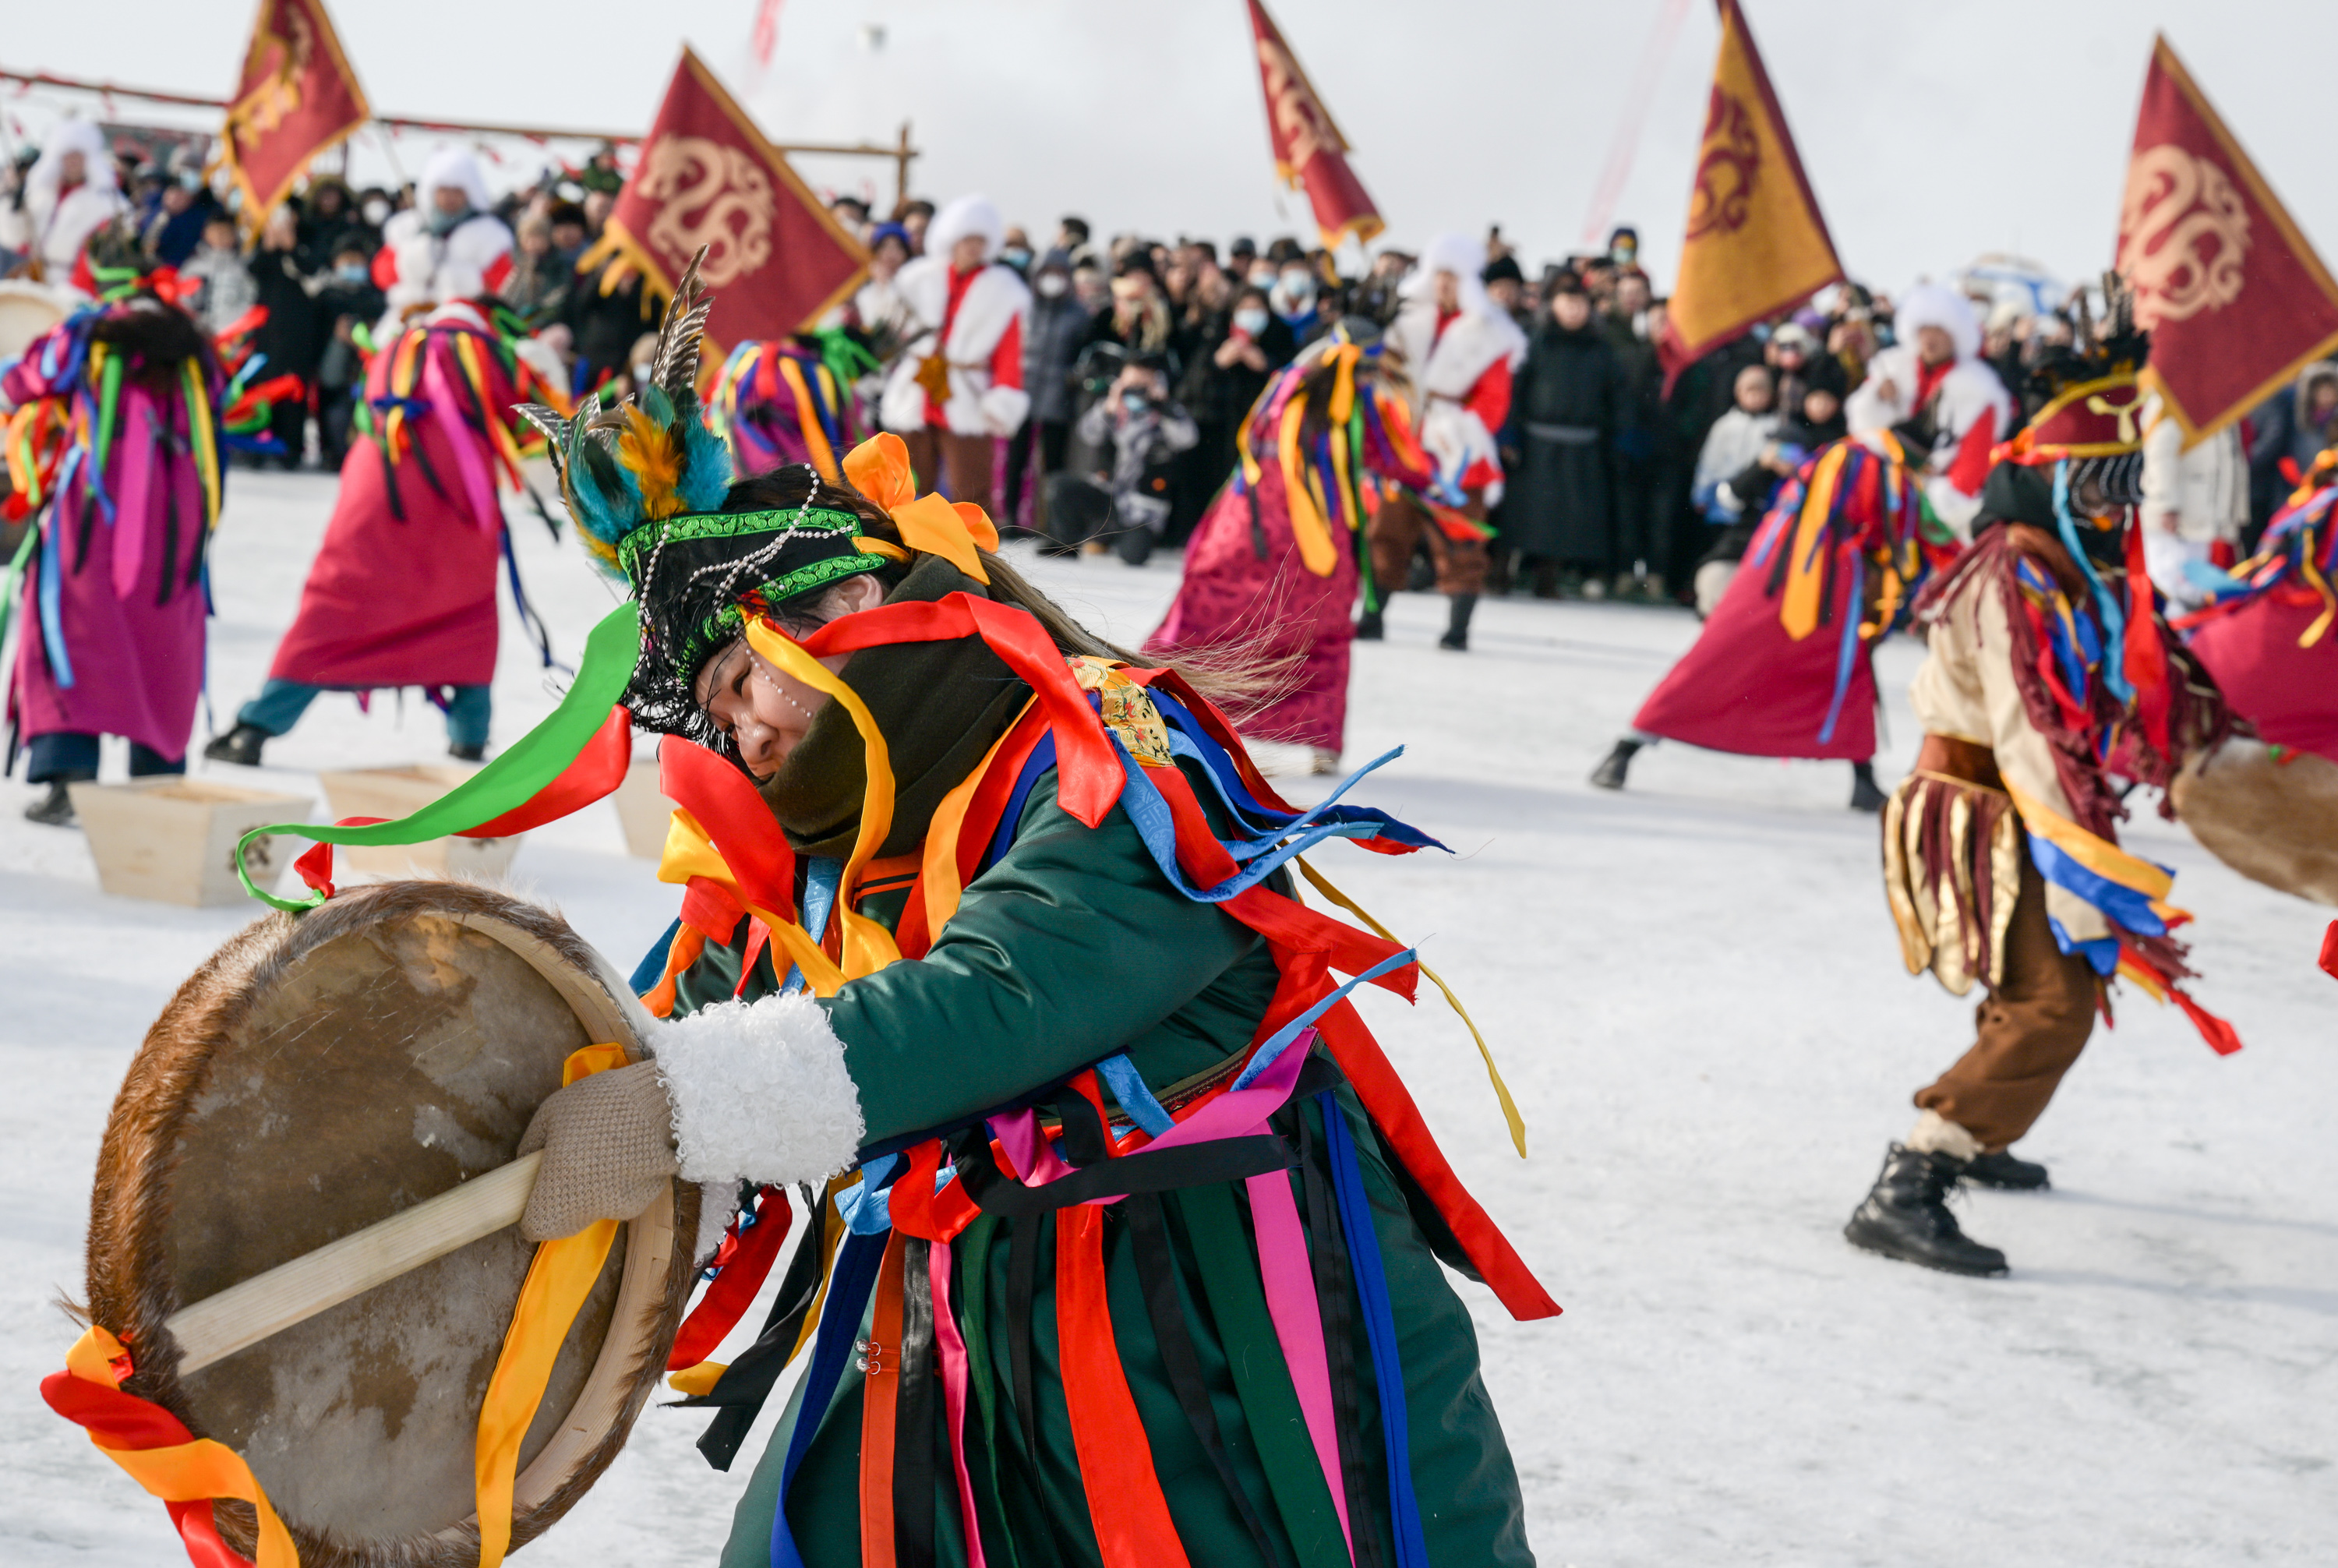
(448,411)
(949,1347)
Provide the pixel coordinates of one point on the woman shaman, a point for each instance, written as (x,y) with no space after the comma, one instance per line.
(1140,1234)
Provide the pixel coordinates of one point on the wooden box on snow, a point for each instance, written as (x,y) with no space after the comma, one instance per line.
(394,793)
(645,811)
(173,839)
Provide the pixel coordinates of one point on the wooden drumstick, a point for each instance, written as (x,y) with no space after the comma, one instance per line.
(243,1315)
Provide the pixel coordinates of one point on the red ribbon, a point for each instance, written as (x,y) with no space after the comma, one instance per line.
(742,1264)
(118,1420)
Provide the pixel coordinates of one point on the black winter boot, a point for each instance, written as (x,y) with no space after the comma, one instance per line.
(54,810)
(1370,628)
(2006,1171)
(1906,1216)
(1609,774)
(1864,795)
(1456,629)
(462,753)
(240,745)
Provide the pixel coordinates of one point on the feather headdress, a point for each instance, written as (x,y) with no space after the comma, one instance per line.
(651,457)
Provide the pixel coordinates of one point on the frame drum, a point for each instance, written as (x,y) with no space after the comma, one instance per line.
(319,1073)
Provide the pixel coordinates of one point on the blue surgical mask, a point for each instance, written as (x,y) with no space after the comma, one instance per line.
(1015,256)
(351,272)
(1250,319)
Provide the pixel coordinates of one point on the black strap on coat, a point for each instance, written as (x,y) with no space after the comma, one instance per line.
(917,1408)
(738,1395)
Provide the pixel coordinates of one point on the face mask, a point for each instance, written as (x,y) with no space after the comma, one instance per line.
(1051,285)
(1262,277)
(1298,288)
(377,212)
(1016,257)
(1250,319)
(353,273)
(642,372)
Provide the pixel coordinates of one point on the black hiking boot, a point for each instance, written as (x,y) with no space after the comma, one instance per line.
(2006,1171)
(1864,795)
(1906,1216)
(239,746)
(466,753)
(1456,629)
(56,808)
(1370,628)
(1609,774)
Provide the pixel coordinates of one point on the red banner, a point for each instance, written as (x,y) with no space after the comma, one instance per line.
(2235,300)
(1756,244)
(1309,150)
(297,97)
(777,261)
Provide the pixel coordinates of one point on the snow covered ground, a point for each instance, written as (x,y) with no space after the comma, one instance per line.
(1694,990)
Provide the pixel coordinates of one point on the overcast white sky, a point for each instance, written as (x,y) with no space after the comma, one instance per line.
(1931,132)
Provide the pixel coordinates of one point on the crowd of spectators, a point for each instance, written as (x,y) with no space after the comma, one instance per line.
(1143,355)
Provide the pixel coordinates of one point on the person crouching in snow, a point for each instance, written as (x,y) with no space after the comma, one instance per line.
(1145,427)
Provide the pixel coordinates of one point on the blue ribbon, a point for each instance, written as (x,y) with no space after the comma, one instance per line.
(1371,1275)
(822,874)
(1283,1037)
(849,1290)
(2114,624)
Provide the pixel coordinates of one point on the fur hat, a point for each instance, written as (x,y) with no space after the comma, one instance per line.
(1929,305)
(968,215)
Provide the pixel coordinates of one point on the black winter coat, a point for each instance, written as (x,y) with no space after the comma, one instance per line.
(1569,404)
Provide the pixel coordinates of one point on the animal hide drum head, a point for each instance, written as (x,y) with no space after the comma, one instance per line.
(320,1073)
(2273,818)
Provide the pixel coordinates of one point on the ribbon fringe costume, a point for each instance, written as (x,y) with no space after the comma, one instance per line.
(2051,672)
(114,453)
(1784,667)
(1123,1235)
(790,404)
(1272,570)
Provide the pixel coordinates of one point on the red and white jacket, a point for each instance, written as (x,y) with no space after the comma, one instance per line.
(414,266)
(1972,413)
(974,321)
(1461,364)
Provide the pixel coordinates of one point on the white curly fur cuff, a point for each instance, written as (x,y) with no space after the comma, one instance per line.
(759,1092)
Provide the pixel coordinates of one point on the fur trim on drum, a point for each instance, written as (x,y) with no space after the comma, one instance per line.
(759,1092)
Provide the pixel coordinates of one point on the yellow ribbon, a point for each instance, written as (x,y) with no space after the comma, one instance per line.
(1501,1091)
(192,1471)
(823,458)
(868,947)
(2100,856)
(1316,550)
(690,852)
(1798,612)
(559,1280)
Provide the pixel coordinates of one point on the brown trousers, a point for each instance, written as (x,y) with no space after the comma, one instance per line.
(1401,523)
(960,464)
(2029,1030)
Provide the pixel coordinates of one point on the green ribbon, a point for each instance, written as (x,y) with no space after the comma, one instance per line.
(511,780)
(16,574)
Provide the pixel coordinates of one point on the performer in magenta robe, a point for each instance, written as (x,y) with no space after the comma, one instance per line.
(402,592)
(2271,643)
(1270,572)
(113,452)
(1782,669)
